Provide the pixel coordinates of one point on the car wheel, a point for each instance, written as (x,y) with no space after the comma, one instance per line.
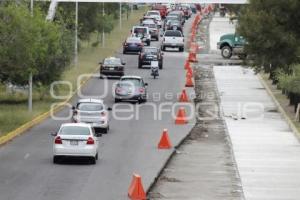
(157,38)
(226,52)
(97,157)
(55,159)
(124,52)
(93,160)
(140,65)
(148,43)
(181,49)
(105,131)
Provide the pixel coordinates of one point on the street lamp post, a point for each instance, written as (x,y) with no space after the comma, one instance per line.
(76,35)
(30,75)
(103,34)
(120,15)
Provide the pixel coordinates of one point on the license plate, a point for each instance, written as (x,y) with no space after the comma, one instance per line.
(111,68)
(74,142)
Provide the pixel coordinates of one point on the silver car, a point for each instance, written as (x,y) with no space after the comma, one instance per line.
(131,88)
(93,112)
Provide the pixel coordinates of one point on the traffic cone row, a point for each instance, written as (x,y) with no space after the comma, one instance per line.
(136,190)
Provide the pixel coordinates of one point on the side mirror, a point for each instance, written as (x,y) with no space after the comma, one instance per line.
(109,109)
(53,134)
(146,84)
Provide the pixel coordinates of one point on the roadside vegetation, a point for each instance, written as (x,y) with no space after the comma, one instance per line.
(49,51)
(272,31)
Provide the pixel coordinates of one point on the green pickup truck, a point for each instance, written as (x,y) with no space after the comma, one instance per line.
(232,44)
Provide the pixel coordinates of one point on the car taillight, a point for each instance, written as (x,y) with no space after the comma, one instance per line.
(102,114)
(142,90)
(58,140)
(90,140)
(118,90)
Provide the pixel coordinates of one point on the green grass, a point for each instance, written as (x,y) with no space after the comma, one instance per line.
(13,107)
(283,101)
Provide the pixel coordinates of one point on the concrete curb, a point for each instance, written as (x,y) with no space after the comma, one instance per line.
(11,135)
(281,110)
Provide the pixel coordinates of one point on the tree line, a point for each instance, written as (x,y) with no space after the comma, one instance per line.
(272,31)
(31,45)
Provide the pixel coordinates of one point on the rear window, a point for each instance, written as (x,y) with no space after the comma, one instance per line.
(90,107)
(140,30)
(133,40)
(150,50)
(74,130)
(152,13)
(130,81)
(150,25)
(173,34)
(112,61)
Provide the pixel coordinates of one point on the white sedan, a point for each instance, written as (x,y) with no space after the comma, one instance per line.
(75,140)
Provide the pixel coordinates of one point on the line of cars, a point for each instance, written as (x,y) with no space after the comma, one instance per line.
(90,117)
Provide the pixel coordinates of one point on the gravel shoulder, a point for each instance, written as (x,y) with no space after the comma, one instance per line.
(203,166)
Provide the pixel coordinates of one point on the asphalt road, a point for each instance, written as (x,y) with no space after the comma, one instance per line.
(26,168)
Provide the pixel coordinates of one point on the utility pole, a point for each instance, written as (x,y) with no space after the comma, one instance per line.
(30,75)
(103,34)
(120,15)
(76,35)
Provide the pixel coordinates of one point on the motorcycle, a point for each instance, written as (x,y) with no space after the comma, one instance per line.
(154,69)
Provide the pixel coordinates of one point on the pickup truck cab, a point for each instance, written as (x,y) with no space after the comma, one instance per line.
(173,39)
(232,44)
(143,33)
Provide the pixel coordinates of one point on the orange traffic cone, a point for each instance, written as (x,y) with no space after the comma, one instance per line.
(189,82)
(183,97)
(189,74)
(181,117)
(164,142)
(192,57)
(136,189)
(187,64)
(189,71)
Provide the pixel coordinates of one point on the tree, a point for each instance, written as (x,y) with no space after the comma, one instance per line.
(272,31)
(31,45)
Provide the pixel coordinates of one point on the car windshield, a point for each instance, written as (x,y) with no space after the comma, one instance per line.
(140,30)
(112,61)
(90,107)
(74,130)
(173,34)
(130,82)
(150,50)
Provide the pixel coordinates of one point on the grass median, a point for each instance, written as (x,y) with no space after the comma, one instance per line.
(13,106)
(282,100)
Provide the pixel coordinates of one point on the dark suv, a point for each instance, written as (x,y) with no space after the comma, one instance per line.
(149,54)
